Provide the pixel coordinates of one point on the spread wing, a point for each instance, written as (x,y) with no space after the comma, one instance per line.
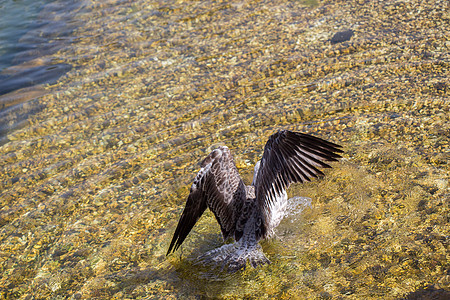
(290,157)
(218,186)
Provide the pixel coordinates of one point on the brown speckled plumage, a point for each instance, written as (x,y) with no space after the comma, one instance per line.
(249,213)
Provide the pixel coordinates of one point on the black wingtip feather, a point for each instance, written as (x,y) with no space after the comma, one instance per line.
(195,206)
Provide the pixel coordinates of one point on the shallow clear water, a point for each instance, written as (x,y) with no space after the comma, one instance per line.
(94,181)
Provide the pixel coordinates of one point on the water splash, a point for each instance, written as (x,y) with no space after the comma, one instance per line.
(295,206)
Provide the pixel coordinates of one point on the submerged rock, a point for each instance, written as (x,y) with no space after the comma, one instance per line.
(341,36)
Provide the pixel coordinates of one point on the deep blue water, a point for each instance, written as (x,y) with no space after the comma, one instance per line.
(30,30)
(16,19)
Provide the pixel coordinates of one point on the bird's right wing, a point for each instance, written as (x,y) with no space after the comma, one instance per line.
(218,186)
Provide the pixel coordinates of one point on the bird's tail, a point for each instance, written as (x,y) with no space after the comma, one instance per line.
(234,257)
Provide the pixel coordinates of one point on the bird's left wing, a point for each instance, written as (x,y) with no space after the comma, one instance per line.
(290,157)
(217,186)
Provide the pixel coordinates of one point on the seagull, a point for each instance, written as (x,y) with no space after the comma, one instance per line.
(249,213)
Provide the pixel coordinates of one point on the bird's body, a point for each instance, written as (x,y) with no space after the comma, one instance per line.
(251,213)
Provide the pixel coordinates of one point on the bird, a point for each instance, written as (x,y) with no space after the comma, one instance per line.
(250,213)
